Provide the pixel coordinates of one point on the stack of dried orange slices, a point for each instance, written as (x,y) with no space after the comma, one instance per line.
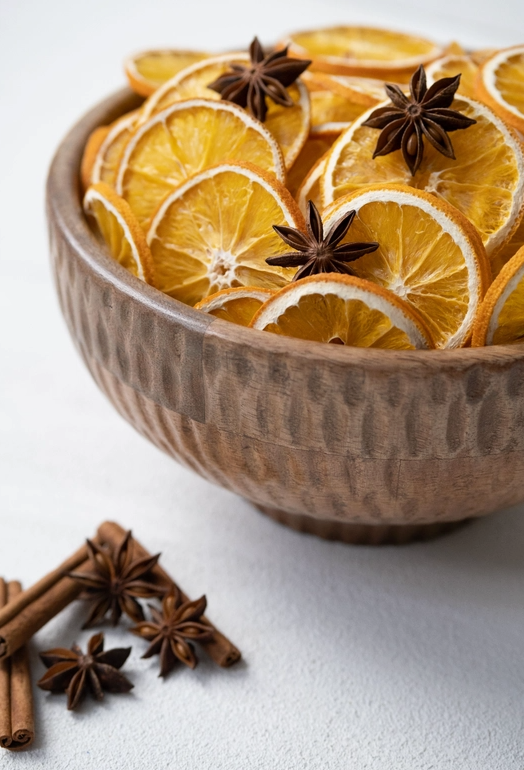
(354,186)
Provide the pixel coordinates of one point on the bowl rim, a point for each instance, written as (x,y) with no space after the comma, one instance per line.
(64,205)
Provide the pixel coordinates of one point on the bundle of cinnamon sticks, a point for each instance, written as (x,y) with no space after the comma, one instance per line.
(23,613)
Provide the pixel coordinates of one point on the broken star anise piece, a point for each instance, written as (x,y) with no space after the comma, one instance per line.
(407,120)
(319,254)
(172,631)
(74,673)
(116,581)
(268,76)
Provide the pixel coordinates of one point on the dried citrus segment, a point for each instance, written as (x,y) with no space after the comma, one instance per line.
(501,85)
(215,232)
(485,182)
(509,250)
(106,162)
(357,90)
(343,310)
(331,113)
(120,230)
(314,149)
(501,317)
(192,82)
(364,51)
(429,255)
(334,105)
(148,70)
(451,65)
(90,152)
(369,91)
(184,139)
(310,187)
(235,305)
(480,55)
(289,125)
(455,49)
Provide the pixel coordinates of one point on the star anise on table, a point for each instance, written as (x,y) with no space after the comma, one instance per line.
(408,120)
(74,673)
(116,581)
(318,253)
(172,631)
(268,76)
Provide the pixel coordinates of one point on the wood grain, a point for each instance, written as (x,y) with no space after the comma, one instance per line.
(320,438)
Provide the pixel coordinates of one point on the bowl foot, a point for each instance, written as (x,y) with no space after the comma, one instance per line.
(361,534)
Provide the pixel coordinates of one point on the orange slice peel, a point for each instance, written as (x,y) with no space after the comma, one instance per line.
(120,230)
(343,310)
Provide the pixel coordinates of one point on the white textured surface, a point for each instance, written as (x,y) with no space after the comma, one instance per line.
(354,657)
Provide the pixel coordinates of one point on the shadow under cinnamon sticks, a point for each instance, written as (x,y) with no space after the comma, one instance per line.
(17,729)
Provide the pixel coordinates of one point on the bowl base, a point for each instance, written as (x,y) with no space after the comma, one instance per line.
(361,534)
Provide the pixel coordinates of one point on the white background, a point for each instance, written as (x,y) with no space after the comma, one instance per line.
(354,657)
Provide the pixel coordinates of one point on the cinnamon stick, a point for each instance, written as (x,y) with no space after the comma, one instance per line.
(17,729)
(38,589)
(38,605)
(5,685)
(219,648)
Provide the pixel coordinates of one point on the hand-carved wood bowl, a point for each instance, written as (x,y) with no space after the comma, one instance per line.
(359,445)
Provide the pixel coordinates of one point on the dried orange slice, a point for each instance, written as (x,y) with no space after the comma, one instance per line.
(368,91)
(501,317)
(429,255)
(343,310)
(235,305)
(148,70)
(451,65)
(357,90)
(289,125)
(454,49)
(120,230)
(365,51)
(331,114)
(501,85)
(485,182)
(480,55)
(90,152)
(314,149)
(310,187)
(105,164)
(333,105)
(192,82)
(184,139)
(215,231)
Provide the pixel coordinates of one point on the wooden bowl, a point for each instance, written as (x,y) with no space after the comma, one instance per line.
(359,445)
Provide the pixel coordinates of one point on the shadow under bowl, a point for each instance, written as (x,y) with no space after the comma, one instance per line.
(359,445)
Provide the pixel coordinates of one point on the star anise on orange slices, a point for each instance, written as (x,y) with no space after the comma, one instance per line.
(424,114)
(74,673)
(268,76)
(318,253)
(116,581)
(172,631)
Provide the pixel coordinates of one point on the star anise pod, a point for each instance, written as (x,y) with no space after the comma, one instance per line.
(408,120)
(74,673)
(172,631)
(268,76)
(319,254)
(115,581)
